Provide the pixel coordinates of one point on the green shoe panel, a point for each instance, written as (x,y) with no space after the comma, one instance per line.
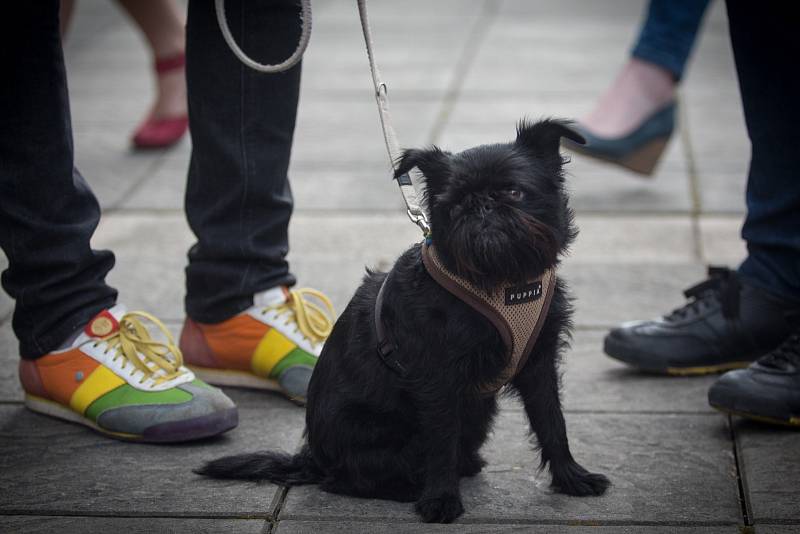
(127,395)
(296,357)
(204,401)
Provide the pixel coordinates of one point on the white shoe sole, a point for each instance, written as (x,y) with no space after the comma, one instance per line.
(234,378)
(54,409)
(242,379)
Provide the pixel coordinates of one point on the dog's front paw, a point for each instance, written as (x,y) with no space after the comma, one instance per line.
(573,479)
(442,509)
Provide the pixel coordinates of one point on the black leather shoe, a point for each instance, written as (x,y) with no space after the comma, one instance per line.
(768,390)
(726,324)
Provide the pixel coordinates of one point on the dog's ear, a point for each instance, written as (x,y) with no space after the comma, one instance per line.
(543,138)
(432,162)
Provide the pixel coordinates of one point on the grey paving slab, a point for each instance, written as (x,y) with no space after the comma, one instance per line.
(351,188)
(764,528)
(6,303)
(346,130)
(713,109)
(417,51)
(632,239)
(109,68)
(104,525)
(356,527)
(568,10)
(720,150)
(769,456)
(164,188)
(723,191)
(593,382)
(54,468)
(721,241)
(609,294)
(10,389)
(665,468)
(151,255)
(545,58)
(111,168)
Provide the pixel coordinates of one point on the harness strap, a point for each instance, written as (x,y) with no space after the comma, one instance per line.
(519,329)
(518,313)
(386,347)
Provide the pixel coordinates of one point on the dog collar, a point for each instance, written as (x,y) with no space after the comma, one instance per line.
(517,312)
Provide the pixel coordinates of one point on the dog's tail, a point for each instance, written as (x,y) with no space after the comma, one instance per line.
(276,467)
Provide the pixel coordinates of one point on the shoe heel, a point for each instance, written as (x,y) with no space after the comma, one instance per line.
(644,160)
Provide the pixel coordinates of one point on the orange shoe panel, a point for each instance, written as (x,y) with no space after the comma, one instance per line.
(234,341)
(63,373)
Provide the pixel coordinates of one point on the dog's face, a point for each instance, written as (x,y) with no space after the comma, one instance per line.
(499,213)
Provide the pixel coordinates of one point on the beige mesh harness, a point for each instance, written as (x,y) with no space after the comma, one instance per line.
(517,312)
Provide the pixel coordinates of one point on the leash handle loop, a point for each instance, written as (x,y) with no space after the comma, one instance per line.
(285,65)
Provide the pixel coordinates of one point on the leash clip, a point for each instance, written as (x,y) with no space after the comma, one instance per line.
(418,218)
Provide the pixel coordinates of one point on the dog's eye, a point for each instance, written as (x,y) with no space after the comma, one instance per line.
(516,194)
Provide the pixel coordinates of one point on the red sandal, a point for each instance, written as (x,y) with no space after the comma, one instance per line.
(162,132)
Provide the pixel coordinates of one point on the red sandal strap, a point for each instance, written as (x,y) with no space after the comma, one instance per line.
(170,63)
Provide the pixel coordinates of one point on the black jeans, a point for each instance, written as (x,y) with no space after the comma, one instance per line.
(766,48)
(238,200)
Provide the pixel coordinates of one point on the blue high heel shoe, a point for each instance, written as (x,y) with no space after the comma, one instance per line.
(638,151)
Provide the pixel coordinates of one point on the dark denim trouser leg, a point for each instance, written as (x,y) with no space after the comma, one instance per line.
(765,47)
(47,211)
(238,200)
(669,33)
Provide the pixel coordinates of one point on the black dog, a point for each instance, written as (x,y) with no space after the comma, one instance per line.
(499,214)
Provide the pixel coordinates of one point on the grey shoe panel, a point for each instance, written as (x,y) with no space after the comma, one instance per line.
(135,419)
(294,380)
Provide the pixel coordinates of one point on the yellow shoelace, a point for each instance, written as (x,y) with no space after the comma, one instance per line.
(133,343)
(312,320)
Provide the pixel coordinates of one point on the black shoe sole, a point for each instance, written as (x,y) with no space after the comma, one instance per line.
(739,400)
(793,422)
(635,358)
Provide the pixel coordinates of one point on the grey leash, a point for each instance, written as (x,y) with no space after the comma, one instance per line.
(406,181)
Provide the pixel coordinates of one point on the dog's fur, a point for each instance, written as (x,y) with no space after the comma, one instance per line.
(499,214)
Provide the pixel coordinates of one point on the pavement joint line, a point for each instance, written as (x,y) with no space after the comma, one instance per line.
(278,500)
(741,480)
(148,172)
(127,515)
(339,212)
(694,182)
(394,520)
(466,59)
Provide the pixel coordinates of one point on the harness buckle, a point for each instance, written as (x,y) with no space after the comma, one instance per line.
(385,349)
(418,218)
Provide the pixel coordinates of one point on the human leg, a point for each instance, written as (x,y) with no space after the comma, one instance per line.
(162,23)
(85,359)
(763,45)
(47,211)
(635,117)
(238,203)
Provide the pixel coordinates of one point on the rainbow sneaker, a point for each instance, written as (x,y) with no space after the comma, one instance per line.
(272,345)
(118,380)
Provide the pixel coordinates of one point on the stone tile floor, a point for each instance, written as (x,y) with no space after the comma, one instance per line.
(461,72)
